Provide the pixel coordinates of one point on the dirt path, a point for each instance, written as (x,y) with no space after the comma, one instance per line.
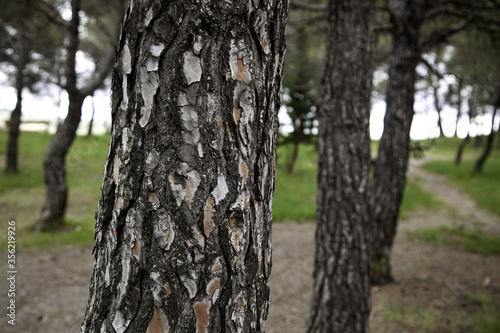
(433,294)
(464,211)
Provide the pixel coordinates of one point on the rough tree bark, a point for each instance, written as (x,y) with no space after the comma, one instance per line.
(389,177)
(341,293)
(183,225)
(12,157)
(52,216)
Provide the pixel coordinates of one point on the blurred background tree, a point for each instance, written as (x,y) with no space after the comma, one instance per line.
(303,70)
(29,43)
(97,52)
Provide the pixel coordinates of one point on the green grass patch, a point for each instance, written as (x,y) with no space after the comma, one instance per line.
(482,299)
(76,232)
(294,200)
(488,323)
(295,196)
(23,193)
(415,197)
(484,188)
(475,240)
(412,316)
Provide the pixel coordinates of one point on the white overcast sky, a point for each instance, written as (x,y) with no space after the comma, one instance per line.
(55,107)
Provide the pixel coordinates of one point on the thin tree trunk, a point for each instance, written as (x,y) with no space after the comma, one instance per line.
(293,158)
(14,124)
(52,216)
(460,150)
(183,225)
(437,105)
(341,292)
(478,141)
(389,177)
(54,166)
(459,106)
(91,123)
(478,167)
(12,156)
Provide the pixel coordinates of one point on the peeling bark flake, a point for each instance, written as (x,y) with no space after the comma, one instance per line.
(219,193)
(243,168)
(190,285)
(213,289)
(116,169)
(237,114)
(202,312)
(149,86)
(208,213)
(127,60)
(217,266)
(164,232)
(192,67)
(159,323)
(149,17)
(119,323)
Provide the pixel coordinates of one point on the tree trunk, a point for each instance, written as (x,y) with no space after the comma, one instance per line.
(91,123)
(11,163)
(183,225)
(438,107)
(293,157)
(460,150)
(54,166)
(478,141)
(459,105)
(14,123)
(341,293)
(478,167)
(54,209)
(389,177)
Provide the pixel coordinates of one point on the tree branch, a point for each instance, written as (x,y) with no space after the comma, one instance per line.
(437,39)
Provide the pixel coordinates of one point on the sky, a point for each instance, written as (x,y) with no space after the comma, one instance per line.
(45,108)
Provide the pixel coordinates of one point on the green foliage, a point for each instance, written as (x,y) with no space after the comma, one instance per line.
(484,187)
(474,241)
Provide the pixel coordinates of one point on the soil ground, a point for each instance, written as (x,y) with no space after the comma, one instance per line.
(440,288)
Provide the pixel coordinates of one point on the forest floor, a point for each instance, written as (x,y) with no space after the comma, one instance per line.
(440,288)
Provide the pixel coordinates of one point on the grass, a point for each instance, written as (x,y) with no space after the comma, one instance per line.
(412,316)
(475,240)
(24,192)
(484,188)
(488,323)
(294,200)
(415,197)
(295,196)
